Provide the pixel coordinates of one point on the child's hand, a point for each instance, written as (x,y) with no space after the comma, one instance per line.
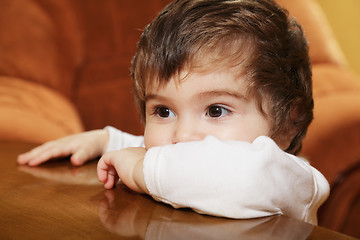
(83,147)
(126,164)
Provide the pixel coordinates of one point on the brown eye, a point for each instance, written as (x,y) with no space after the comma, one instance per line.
(164,112)
(217,111)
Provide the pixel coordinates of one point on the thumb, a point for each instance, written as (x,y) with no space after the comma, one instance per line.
(80,156)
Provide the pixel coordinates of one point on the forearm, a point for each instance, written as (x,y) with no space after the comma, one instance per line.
(138,177)
(130,168)
(234,179)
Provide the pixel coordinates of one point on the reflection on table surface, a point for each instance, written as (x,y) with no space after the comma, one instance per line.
(123,213)
(57,200)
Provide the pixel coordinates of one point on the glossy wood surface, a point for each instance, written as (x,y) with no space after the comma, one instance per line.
(60,201)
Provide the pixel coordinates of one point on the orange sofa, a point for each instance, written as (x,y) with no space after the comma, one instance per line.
(64,68)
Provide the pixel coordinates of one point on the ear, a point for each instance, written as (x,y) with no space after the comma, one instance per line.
(291,131)
(285,140)
(299,120)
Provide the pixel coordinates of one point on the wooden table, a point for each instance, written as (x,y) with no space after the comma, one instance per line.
(60,201)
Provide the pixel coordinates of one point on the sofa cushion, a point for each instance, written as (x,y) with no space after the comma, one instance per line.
(34,113)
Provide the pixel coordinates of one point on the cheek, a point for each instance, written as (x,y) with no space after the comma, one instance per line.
(155,135)
(235,133)
(241,130)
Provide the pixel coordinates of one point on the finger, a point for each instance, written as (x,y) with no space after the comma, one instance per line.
(48,154)
(27,156)
(33,154)
(44,153)
(102,169)
(79,157)
(23,159)
(111,180)
(82,155)
(106,172)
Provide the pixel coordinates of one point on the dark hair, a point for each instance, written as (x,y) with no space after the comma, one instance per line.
(255,37)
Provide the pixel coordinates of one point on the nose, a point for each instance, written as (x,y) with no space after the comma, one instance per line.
(187,130)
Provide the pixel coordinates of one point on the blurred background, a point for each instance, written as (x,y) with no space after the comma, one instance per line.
(344,18)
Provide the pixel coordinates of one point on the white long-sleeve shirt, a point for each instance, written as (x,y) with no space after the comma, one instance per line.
(232,179)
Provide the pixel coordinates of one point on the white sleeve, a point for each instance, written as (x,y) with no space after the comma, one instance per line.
(235,179)
(119,140)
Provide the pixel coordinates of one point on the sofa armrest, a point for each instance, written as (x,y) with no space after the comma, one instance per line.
(34,113)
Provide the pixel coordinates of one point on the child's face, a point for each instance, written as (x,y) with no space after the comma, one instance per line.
(202,104)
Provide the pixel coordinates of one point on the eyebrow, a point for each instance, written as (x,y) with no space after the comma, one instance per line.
(206,94)
(153,96)
(219,93)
